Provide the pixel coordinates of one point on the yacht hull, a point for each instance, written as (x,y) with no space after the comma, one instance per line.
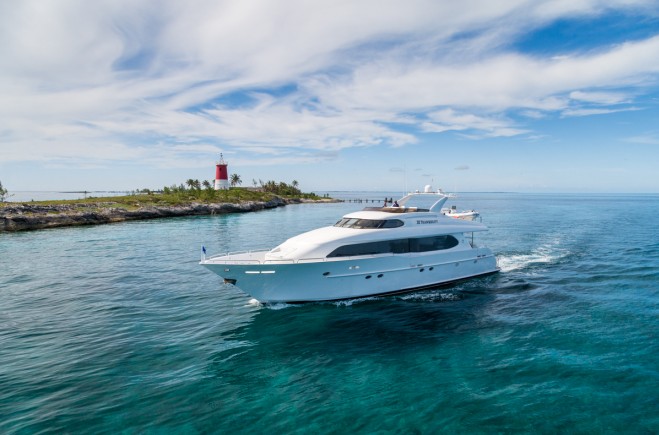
(347,278)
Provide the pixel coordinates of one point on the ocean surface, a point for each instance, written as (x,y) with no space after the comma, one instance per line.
(117,329)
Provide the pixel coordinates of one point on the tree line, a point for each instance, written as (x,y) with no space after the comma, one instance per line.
(271,186)
(195,189)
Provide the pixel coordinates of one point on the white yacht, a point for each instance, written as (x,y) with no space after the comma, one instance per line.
(376,251)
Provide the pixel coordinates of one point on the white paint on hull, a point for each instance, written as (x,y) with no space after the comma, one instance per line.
(350,277)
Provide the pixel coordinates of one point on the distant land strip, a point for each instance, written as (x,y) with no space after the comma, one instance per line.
(35,216)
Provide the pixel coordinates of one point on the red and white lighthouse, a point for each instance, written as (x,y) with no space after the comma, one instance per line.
(221,175)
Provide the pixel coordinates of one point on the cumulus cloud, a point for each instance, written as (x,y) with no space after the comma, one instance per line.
(171,83)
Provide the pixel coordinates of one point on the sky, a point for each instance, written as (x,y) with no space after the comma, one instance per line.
(487,95)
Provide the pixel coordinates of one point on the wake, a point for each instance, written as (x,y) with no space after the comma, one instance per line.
(548,253)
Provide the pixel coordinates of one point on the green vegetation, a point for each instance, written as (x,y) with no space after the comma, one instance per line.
(195,191)
(4,193)
(236,180)
(282,188)
(191,191)
(204,191)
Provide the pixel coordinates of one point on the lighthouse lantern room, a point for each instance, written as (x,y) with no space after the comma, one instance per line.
(221,175)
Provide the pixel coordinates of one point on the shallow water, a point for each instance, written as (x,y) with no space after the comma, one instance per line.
(117,328)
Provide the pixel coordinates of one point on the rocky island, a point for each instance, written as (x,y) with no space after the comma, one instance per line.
(94,211)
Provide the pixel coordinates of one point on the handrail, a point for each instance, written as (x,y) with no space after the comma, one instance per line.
(218,257)
(228,254)
(247,252)
(302,260)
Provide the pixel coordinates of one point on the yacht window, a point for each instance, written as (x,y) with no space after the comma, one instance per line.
(349,223)
(392,223)
(357,223)
(399,246)
(435,243)
(371,248)
(368,223)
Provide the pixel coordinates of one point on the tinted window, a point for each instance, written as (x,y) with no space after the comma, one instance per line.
(347,222)
(368,223)
(392,223)
(371,248)
(435,243)
(399,246)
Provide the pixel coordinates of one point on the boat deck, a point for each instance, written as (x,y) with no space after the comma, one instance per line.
(258,257)
(243,257)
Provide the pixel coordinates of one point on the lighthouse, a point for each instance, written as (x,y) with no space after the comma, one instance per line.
(221,175)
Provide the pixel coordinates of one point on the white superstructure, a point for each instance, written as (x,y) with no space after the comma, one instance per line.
(375,251)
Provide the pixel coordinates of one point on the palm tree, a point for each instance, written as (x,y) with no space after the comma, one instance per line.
(190,183)
(295,184)
(206,184)
(3,193)
(235,179)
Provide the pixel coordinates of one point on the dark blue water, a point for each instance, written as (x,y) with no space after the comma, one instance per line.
(116,328)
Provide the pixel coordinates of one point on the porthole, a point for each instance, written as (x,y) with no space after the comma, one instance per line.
(380,275)
(430,268)
(326,273)
(422,269)
(368,276)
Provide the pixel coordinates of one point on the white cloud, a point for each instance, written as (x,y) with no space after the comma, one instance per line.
(448,119)
(495,83)
(594,111)
(647,139)
(600,97)
(533,114)
(555,9)
(157,81)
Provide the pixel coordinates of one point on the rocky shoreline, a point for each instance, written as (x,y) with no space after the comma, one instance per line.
(26,217)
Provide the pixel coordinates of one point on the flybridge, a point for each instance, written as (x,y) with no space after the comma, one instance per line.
(424,202)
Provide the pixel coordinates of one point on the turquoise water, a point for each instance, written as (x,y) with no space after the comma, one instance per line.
(116,328)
